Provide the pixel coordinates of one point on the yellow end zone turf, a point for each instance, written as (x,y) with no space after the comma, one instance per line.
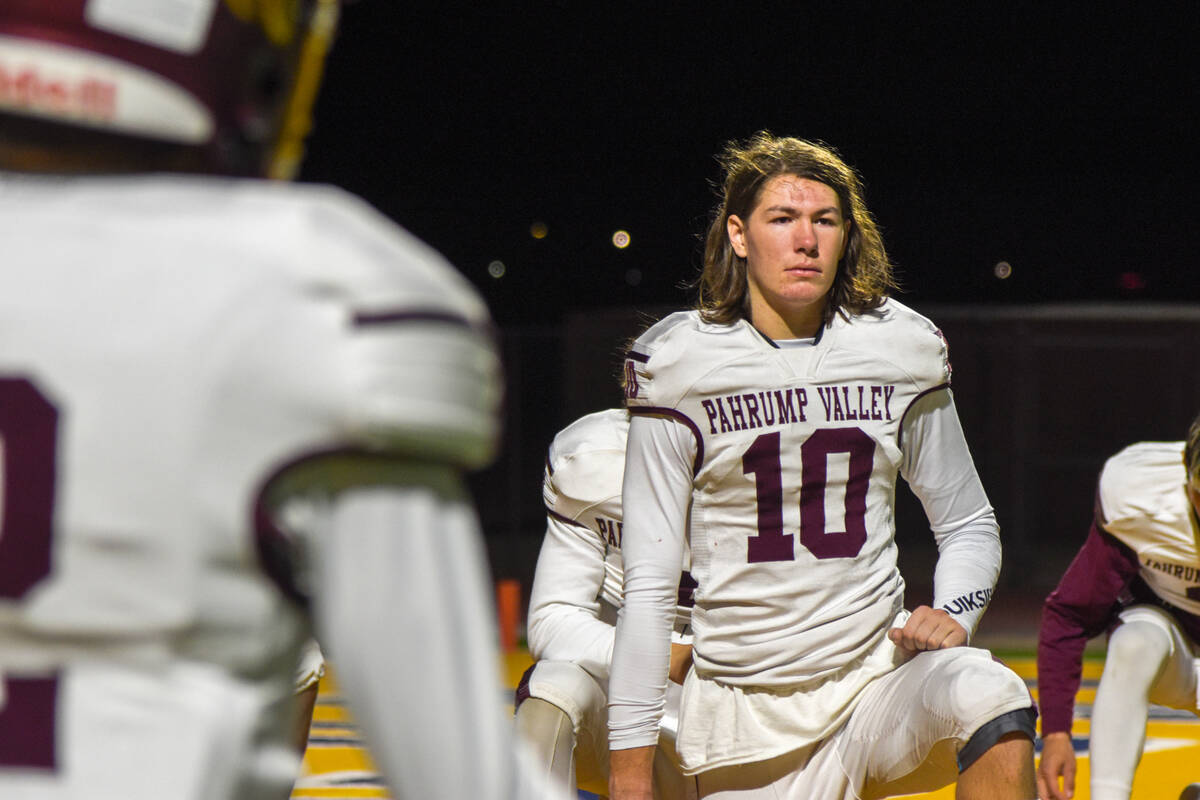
(336,767)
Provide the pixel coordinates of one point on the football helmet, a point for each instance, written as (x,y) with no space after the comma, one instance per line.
(235,78)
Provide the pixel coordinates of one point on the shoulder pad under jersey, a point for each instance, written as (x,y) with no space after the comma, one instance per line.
(423,373)
(667,360)
(586,465)
(1141,492)
(899,337)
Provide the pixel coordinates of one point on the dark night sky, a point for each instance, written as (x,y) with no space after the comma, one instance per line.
(1058,140)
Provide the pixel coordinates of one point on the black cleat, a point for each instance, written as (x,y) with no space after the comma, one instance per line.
(1190,792)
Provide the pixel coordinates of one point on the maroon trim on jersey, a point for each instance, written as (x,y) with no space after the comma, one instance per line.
(567,520)
(521,693)
(29,457)
(900,430)
(765,338)
(1093,590)
(276,550)
(363,319)
(27,718)
(276,553)
(634,355)
(678,416)
(687,589)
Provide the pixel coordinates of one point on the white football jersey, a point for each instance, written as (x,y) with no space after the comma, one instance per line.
(1144,503)
(797,453)
(580,571)
(168,345)
(582,487)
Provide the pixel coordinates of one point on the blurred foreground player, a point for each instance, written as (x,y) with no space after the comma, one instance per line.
(562,701)
(1137,576)
(203,378)
(770,426)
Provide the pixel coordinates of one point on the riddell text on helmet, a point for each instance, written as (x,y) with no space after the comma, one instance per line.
(28,89)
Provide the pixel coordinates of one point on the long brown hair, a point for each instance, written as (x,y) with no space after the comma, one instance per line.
(1191,451)
(864,277)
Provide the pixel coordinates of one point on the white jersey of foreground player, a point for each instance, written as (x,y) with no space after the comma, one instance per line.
(573,607)
(186,365)
(788,453)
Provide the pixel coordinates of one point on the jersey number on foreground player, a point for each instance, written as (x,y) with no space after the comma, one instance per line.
(28,441)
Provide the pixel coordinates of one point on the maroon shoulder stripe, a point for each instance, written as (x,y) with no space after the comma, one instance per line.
(900,429)
(567,520)
(634,355)
(678,416)
(364,319)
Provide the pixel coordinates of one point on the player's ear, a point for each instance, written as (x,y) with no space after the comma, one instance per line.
(737,234)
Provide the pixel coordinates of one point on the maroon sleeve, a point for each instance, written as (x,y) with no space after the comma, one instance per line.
(1083,605)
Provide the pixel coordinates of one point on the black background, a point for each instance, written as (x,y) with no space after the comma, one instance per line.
(1058,139)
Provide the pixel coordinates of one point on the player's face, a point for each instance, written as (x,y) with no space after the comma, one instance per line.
(1194,492)
(792,242)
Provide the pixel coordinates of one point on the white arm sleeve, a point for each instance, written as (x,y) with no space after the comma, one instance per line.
(656,494)
(564,605)
(401,603)
(937,465)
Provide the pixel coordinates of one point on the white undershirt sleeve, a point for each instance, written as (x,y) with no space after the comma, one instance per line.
(656,495)
(402,605)
(938,467)
(564,604)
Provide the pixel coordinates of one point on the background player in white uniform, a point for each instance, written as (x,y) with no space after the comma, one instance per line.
(562,702)
(780,414)
(205,381)
(1137,576)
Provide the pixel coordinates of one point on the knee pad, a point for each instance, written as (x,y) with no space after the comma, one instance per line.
(568,686)
(988,700)
(311,666)
(973,688)
(1139,644)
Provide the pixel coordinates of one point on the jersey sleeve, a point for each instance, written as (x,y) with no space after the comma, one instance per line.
(938,466)
(1139,500)
(1080,607)
(657,372)
(415,345)
(919,347)
(564,609)
(657,492)
(583,475)
(424,385)
(370,361)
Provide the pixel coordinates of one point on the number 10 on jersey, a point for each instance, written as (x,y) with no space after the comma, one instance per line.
(762,460)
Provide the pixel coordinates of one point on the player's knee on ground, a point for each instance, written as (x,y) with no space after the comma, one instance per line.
(1136,654)
(577,749)
(566,685)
